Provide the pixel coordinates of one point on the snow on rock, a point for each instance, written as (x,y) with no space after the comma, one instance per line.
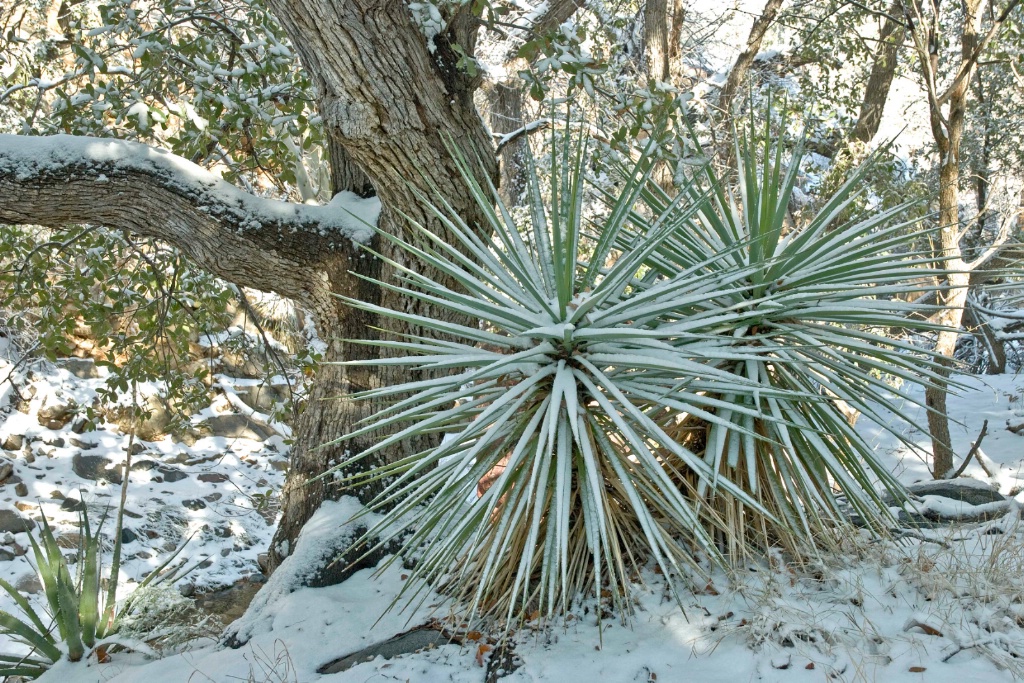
(25,157)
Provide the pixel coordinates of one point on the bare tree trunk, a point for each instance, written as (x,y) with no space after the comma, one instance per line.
(947,130)
(506,115)
(656,39)
(741,68)
(883,70)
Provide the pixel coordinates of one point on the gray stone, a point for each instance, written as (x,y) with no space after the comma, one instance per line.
(95,468)
(53,440)
(238,427)
(6,470)
(21,490)
(970,494)
(213,477)
(144,465)
(79,443)
(72,505)
(82,368)
(262,397)
(415,640)
(213,497)
(171,475)
(14,523)
(28,583)
(194,504)
(128,536)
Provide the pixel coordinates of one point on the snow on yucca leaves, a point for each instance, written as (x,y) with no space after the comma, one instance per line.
(605,349)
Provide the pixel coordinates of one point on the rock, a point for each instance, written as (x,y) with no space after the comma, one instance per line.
(72,505)
(213,497)
(213,477)
(69,541)
(6,470)
(13,442)
(21,490)
(24,506)
(95,468)
(53,440)
(973,493)
(138,448)
(150,429)
(55,412)
(144,465)
(238,427)
(229,603)
(84,445)
(30,457)
(417,639)
(14,523)
(28,583)
(194,504)
(82,368)
(6,555)
(187,590)
(171,474)
(128,536)
(262,397)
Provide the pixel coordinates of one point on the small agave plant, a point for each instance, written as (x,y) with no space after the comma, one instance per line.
(603,348)
(78,621)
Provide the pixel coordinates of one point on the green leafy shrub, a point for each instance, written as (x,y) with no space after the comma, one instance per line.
(641,388)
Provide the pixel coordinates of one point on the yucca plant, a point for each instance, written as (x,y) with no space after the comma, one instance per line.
(78,621)
(599,341)
(809,326)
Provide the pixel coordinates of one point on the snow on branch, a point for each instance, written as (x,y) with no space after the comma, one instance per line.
(267,244)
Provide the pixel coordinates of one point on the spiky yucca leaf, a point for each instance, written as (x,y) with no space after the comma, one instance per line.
(808,320)
(698,310)
(588,484)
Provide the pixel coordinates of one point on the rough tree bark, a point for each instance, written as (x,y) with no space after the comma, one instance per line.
(883,70)
(740,69)
(947,112)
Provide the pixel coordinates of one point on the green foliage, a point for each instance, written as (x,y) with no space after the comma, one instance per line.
(209,80)
(141,304)
(642,386)
(83,620)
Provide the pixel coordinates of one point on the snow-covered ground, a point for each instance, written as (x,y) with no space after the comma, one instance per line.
(939,605)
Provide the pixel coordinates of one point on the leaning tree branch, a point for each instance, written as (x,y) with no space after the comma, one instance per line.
(62,180)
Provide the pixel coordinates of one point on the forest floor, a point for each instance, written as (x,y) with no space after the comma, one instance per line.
(937,604)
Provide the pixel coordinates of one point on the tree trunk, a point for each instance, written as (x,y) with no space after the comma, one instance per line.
(740,69)
(393,105)
(883,70)
(948,133)
(506,115)
(656,39)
